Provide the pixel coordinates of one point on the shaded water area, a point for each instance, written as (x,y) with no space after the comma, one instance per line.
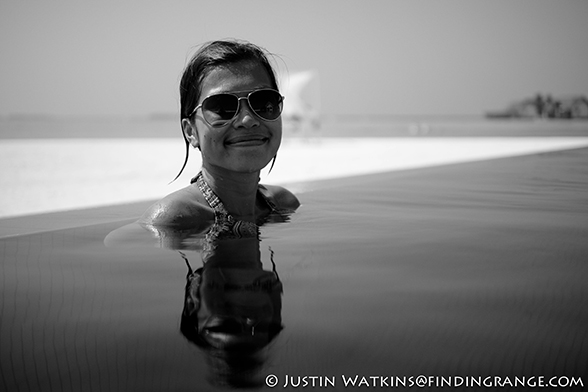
(474,269)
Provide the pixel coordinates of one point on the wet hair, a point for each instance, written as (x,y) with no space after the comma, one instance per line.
(210,56)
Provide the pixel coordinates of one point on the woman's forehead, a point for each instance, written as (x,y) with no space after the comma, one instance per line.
(242,76)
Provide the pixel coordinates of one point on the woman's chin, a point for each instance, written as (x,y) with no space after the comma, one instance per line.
(252,159)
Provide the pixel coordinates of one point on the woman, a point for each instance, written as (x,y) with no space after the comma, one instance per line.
(230,111)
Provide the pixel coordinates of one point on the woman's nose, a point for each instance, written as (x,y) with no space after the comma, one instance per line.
(245,117)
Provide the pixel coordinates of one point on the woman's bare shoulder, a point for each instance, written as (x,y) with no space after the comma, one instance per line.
(184,208)
(282,197)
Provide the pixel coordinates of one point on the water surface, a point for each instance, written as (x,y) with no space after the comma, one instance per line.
(470,269)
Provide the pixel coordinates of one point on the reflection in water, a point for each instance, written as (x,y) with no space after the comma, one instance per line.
(232,310)
(232,306)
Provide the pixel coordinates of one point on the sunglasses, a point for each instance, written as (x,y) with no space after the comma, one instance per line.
(220,109)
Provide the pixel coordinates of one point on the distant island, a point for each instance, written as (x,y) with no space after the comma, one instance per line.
(575,107)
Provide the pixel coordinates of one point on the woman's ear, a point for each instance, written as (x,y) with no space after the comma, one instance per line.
(190,132)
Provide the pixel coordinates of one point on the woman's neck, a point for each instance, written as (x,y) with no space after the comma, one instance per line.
(237,191)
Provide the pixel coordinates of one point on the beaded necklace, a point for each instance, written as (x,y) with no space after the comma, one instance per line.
(224,221)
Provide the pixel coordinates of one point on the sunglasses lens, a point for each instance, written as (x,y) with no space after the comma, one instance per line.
(267,104)
(219,109)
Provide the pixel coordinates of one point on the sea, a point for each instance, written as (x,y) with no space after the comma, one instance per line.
(168,126)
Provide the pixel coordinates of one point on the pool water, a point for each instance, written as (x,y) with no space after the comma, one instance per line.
(472,270)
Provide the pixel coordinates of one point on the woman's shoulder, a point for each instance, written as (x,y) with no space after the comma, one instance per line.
(183,208)
(282,198)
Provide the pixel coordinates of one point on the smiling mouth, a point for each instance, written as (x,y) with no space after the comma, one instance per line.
(247,141)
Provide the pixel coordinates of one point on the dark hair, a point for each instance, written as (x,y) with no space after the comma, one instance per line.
(210,56)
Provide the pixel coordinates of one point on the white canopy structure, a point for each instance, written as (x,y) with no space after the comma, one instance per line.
(301,113)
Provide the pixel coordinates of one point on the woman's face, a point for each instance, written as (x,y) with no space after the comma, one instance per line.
(246,144)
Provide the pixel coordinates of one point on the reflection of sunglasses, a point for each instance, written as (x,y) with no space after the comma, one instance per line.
(220,109)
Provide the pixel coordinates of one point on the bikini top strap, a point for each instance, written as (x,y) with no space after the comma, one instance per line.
(211,198)
(224,221)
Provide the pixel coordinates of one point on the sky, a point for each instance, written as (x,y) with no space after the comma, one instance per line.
(393,57)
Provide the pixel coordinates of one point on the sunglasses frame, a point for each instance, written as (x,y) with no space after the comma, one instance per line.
(239,106)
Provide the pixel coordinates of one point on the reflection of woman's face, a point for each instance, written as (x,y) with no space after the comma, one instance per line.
(248,143)
(234,313)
